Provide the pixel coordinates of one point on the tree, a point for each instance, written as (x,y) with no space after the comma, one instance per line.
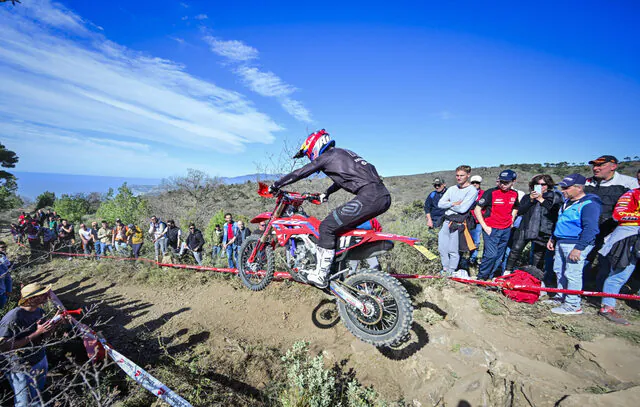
(45,199)
(8,185)
(12,1)
(124,206)
(72,207)
(627,158)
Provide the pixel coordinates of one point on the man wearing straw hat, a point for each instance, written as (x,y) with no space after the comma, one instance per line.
(23,330)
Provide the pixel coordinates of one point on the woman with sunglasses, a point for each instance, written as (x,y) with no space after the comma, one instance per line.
(539,211)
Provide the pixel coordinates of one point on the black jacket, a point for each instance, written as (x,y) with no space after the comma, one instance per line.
(431,207)
(539,218)
(195,241)
(347,169)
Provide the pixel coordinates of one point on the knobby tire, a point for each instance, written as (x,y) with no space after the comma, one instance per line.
(403,321)
(265,261)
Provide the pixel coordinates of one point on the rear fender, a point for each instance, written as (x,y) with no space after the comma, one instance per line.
(369,236)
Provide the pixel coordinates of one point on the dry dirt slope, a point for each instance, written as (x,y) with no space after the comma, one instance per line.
(467,345)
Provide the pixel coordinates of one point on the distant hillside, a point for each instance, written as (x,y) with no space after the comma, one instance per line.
(32,184)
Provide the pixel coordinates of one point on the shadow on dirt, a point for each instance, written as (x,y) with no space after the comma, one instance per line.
(325,315)
(141,343)
(419,339)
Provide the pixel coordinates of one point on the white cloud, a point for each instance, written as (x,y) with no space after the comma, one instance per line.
(263,83)
(296,109)
(233,50)
(83,84)
(178,40)
(184,18)
(201,17)
(185,5)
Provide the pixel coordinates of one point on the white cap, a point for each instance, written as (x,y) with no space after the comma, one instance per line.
(476,178)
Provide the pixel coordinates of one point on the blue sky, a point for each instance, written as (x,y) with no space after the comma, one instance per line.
(151,88)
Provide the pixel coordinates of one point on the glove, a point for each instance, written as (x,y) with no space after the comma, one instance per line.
(323,198)
(273,190)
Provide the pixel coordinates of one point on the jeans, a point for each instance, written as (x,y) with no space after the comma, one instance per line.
(97,248)
(232,253)
(216,251)
(569,273)
(495,246)
(160,244)
(475,235)
(198,257)
(614,282)
(24,384)
(3,299)
(103,249)
(86,248)
(449,248)
(122,248)
(136,249)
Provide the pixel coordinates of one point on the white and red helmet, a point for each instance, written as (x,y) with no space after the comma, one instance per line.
(316,144)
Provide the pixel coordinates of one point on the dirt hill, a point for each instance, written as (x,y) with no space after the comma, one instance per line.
(468,346)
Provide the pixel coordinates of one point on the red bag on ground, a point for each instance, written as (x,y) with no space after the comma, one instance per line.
(519,277)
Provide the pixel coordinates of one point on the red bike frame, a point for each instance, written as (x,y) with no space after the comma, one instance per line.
(287,227)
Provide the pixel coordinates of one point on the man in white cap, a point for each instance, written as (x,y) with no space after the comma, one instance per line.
(23,330)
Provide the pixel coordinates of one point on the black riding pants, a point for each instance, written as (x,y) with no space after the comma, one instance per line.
(371,201)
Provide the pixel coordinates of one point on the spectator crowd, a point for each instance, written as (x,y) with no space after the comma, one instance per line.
(48,232)
(582,231)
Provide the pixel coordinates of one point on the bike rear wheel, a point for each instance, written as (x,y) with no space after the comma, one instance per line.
(390,313)
(257,275)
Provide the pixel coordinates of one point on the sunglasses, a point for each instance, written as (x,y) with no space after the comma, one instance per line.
(475,182)
(3,247)
(437,185)
(263,224)
(542,183)
(504,182)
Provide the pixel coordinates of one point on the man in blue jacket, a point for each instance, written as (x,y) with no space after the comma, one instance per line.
(230,231)
(432,211)
(573,238)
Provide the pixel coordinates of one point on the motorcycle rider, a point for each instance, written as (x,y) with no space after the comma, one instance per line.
(350,172)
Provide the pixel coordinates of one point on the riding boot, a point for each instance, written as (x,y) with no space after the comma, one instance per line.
(319,276)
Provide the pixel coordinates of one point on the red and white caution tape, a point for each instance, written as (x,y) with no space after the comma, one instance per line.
(285,275)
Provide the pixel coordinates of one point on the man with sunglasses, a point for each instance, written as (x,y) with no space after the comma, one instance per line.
(434,213)
(609,185)
(496,211)
(195,242)
(573,238)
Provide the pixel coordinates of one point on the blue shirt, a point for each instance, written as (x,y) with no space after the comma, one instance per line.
(578,221)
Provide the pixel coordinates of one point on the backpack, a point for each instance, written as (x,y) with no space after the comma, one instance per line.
(519,277)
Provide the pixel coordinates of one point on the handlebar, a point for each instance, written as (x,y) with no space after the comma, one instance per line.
(263,191)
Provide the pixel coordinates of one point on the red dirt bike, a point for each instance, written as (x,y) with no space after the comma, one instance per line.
(374,306)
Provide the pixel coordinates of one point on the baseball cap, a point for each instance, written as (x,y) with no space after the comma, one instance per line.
(476,178)
(438,180)
(573,179)
(507,175)
(604,159)
(118,220)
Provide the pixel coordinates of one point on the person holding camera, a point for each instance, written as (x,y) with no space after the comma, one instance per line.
(539,211)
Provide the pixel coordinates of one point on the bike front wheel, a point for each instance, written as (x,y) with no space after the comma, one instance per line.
(255,275)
